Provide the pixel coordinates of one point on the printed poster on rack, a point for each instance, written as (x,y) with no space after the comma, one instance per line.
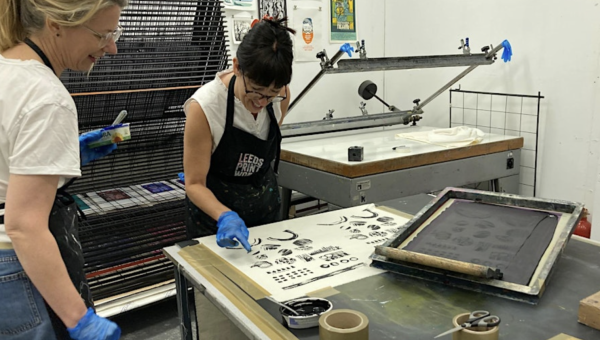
(307,22)
(343,21)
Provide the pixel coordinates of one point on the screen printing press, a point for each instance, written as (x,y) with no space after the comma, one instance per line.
(333,256)
(318,165)
(316,155)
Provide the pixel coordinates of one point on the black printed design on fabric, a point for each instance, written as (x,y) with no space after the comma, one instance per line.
(241,176)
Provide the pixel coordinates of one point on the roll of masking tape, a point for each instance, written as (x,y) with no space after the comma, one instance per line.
(477,333)
(343,324)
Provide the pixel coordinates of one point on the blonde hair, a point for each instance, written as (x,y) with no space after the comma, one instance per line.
(21,18)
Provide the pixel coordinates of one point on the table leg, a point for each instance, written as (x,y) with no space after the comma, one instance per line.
(183,307)
(495,185)
(286,198)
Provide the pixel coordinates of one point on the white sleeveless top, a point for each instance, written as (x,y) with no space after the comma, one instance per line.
(212,97)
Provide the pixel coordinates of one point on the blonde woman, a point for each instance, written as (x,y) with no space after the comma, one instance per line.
(43,289)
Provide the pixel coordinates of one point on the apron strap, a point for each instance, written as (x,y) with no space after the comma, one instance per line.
(275,126)
(39,52)
(230,104)
(62,191)
(66,185)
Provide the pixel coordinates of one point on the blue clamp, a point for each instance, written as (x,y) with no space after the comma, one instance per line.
(466,42)
(347,49)
(507,52)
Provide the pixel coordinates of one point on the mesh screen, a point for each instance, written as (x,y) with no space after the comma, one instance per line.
(164,44)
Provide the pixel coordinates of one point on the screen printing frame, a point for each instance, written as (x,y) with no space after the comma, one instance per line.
(526,293)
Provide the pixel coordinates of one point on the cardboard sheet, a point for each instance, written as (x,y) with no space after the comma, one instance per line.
(291,258)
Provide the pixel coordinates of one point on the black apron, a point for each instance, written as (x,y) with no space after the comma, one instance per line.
(241,176)
(64,226)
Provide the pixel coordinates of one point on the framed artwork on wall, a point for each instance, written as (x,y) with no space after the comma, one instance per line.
(241,26)
(244,5)
(272,8)
(343,21)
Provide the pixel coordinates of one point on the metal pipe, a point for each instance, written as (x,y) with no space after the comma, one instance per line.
(490,54)
(444,88)
(312,83)
(345,124)
(408,63)
(336,57)
(306,89)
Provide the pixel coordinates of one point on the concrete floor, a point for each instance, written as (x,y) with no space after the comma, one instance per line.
(154,322)
(160,321)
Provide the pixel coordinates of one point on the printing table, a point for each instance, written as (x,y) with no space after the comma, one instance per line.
(401,307)
(318,166)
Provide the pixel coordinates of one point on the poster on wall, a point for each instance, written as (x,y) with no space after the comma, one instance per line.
(307,22)
(243,5)
(241,26)
(343,21)
(272,8)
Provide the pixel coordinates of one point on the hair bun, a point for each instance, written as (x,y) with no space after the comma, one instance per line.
(278,23)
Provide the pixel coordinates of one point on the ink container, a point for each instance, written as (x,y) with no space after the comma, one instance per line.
(310,309)
(112,134)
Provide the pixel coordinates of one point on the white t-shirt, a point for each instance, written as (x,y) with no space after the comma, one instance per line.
(38,125)
(212,97)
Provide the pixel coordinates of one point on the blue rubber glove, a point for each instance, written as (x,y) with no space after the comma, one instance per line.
(91,154)
(94,327)
(347,49)
(507,52)
(231,228)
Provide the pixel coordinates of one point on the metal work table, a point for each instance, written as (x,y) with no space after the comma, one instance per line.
(318,166)
(401,307)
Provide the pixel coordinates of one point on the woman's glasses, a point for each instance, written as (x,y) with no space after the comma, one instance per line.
(104,38)
(258,96)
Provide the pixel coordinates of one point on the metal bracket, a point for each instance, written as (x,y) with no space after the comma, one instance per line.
(363,108)
(325,62)
(329,115)
(465,46)
(361,50)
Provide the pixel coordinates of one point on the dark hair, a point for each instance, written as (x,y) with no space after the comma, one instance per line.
(265,54)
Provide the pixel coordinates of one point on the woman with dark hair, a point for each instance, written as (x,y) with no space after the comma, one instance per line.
(232,138)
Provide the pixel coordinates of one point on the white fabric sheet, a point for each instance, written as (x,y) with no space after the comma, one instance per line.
(451,138)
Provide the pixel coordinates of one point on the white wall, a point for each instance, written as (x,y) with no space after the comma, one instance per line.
(556,47)
(556,51)
(339,91)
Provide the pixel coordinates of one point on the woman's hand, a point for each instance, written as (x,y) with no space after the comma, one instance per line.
(91,154)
